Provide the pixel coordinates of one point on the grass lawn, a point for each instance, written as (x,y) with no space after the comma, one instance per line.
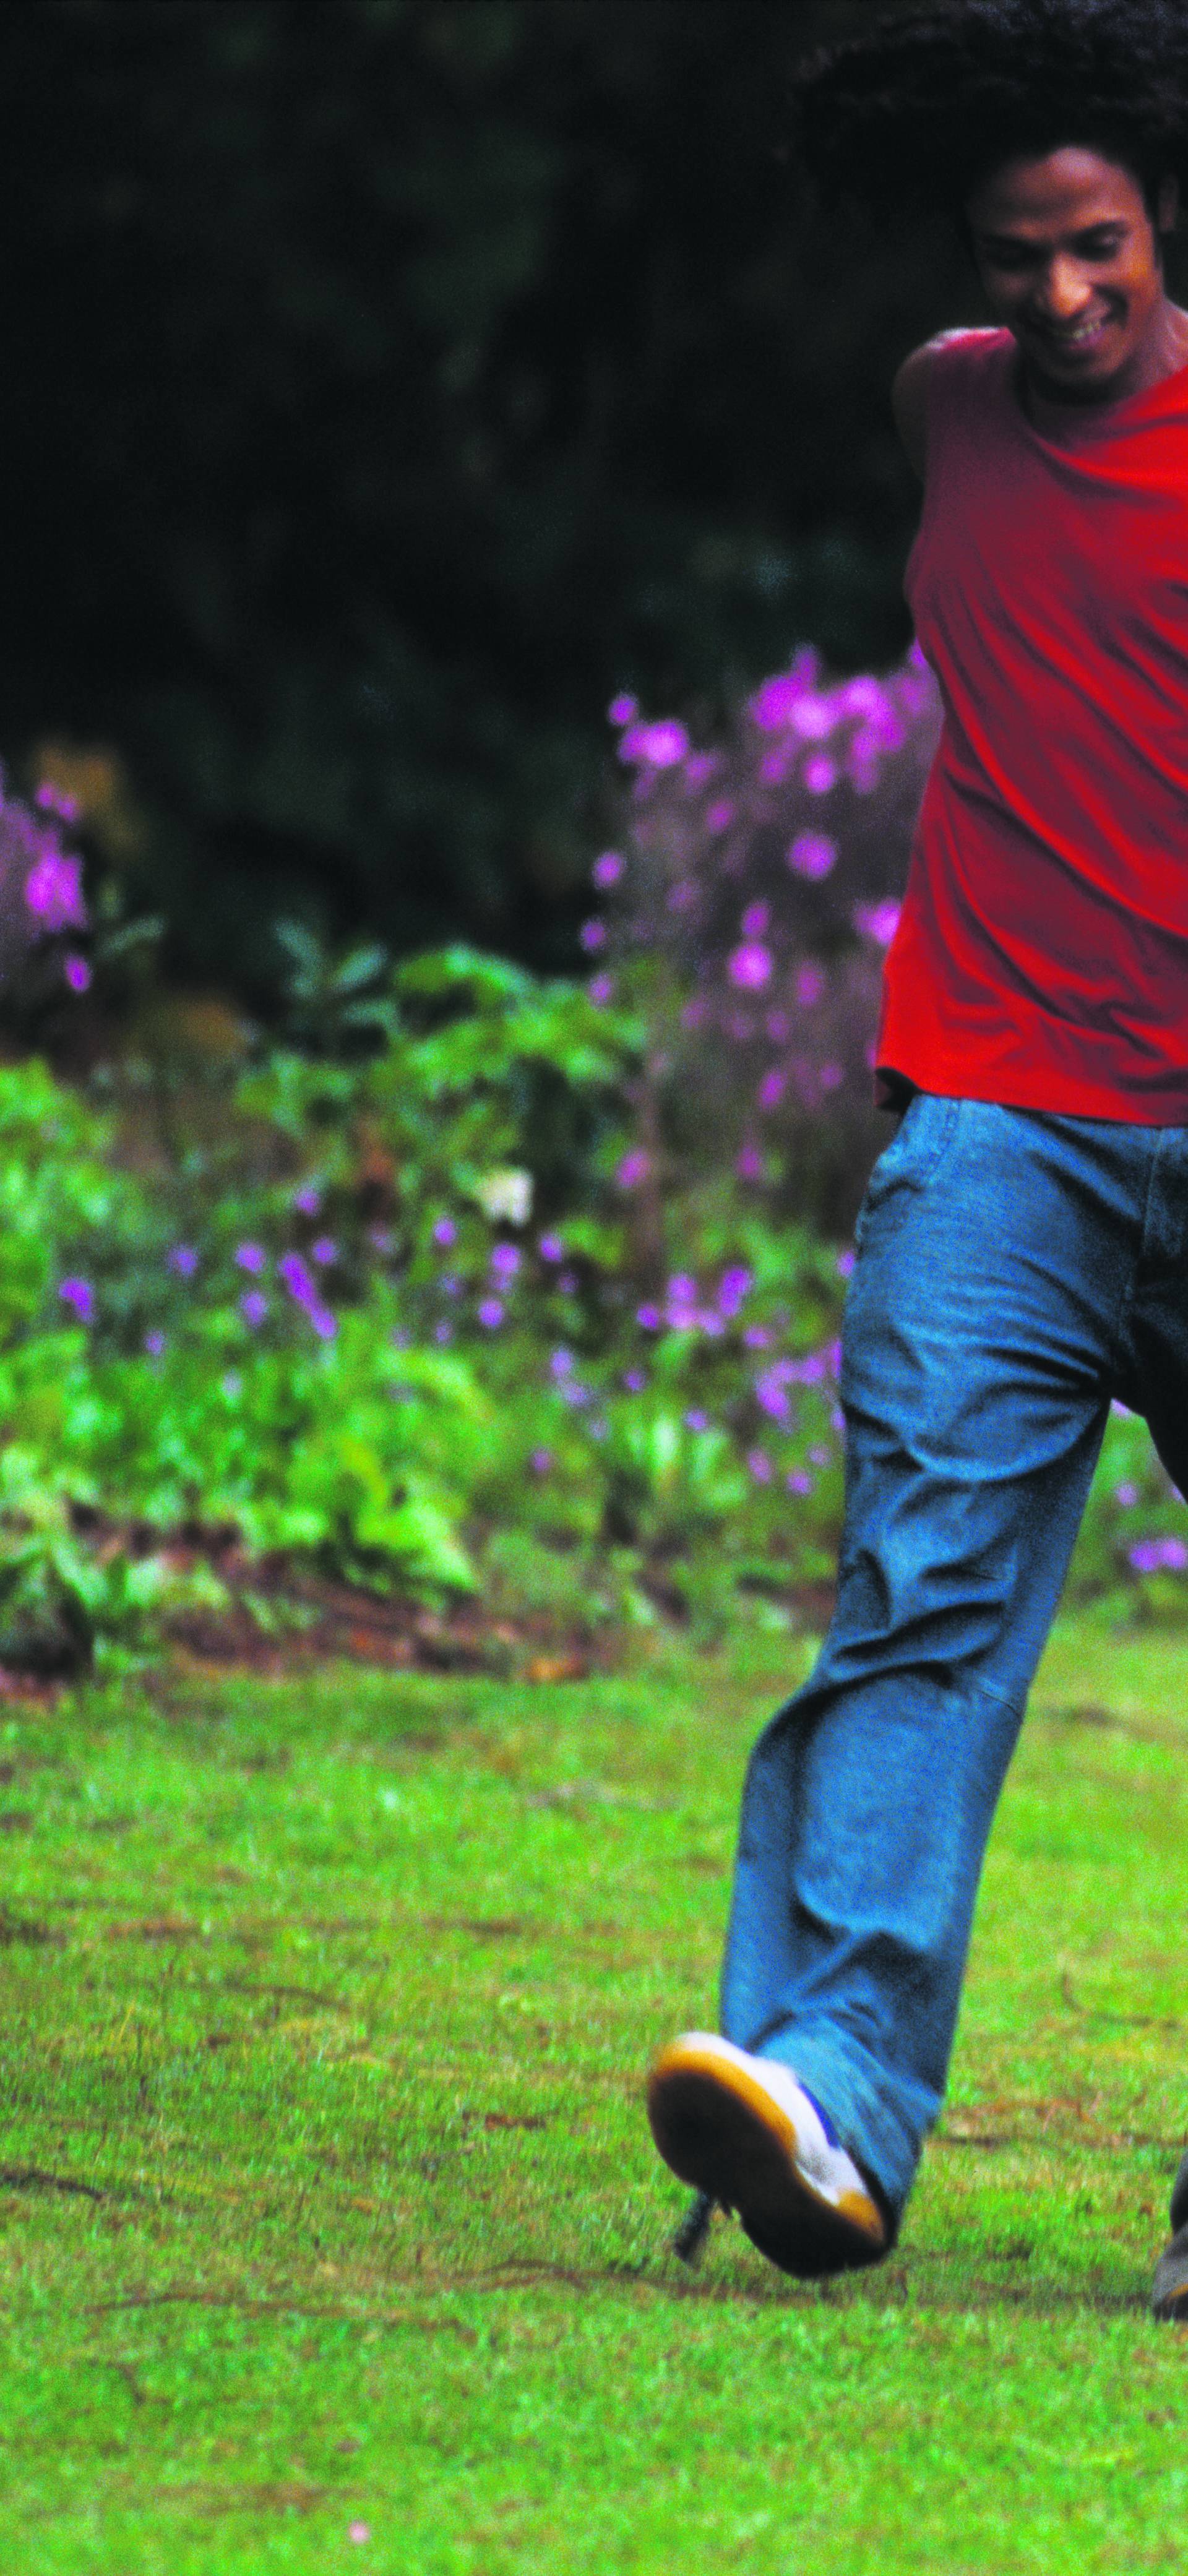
(330,2232)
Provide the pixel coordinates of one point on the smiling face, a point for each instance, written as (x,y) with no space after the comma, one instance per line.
(1070,260)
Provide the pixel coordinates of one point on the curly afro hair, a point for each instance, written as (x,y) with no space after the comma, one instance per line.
(914,113)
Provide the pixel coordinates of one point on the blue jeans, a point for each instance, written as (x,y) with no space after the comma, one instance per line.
(1015,1271)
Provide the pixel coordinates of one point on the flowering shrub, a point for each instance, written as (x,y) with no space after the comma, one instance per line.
(759,880)
(41,896)
(521,1272)
(357,1344)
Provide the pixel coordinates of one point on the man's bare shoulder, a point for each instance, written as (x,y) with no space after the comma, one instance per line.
(909,396)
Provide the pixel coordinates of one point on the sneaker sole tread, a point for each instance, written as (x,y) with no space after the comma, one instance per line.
(721,2132)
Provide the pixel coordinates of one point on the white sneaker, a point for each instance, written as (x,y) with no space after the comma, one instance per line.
(742,2130)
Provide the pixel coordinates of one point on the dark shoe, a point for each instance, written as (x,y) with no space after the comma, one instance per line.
(1169,2292)
(1179,2198)
(745,2133)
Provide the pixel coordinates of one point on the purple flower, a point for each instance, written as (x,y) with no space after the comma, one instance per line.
(592,936)
(748,1163)
(324,1251)
(772,1088)
(735,1286)
(772,1398)
(695,1420)
(755,1339)
(812,854)
(634,1381)
(53,891)
(845,1264)
(820,774)
(184,1260)
(551,1248)
(252,1258)
(253,1306)
(682,896)
(1127,1495)
(798,1483)
(878,921)
(567,1283)
(760,1466)
(308,1199)
(863,696)
(810,984)
(831,1077)
(821,1457)
(490,1313)
(720,815)
(779,701)
(622,710)
(561,1365)
(633,1169)
(755,920)
(1158,1555)
(77,973)
(154,1344)
(443,1333)
(298,1279)
(505,1262)
(655,746)
(607,870)
(750,966)
(450,1284)
(324,1323)
(540,1461)
(682,1291)
(649,1318)
(601,990)
(54,800)
(79,1294)
(445,1231)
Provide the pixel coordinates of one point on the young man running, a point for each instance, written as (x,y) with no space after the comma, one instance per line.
(1023,1246)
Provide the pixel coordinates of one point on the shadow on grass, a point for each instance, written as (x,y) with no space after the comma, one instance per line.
(924,2280)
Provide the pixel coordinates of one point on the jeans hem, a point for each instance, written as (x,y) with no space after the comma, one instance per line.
(868,2120)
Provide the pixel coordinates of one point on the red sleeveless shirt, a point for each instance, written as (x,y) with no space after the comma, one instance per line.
(1042,954)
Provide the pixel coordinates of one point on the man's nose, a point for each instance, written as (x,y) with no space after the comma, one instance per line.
(1064,291)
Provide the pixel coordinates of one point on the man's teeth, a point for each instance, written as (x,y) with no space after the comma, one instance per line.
(1075,339)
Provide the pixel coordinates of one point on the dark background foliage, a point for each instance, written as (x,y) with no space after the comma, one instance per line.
(388,381)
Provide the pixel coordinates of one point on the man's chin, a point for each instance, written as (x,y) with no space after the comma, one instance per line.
(1096,379)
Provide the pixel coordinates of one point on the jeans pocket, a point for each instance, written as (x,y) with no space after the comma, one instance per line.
(914,1156)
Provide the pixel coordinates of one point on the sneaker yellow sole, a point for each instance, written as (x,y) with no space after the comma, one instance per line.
(742,2129)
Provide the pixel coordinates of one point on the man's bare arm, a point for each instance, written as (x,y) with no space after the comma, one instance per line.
(909,399)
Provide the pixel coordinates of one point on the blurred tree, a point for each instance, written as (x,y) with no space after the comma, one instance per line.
(388,381)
